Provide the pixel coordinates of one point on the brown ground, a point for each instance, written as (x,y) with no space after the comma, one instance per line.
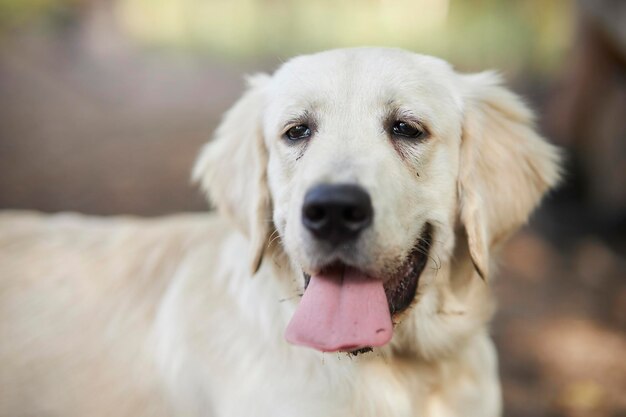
(100,129)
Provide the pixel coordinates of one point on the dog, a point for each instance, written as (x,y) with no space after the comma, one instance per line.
(362,195)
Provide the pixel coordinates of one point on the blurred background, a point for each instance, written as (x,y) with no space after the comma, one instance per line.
(105,103)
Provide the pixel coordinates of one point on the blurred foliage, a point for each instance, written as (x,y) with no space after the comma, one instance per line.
(16,13)
(528,34)
(518,34)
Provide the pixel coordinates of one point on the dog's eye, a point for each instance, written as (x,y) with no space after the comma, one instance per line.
(407,130)
(298,132)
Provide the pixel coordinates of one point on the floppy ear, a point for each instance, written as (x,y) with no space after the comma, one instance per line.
(232,169)
(505,166)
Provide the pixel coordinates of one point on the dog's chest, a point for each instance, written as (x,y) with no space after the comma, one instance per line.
(334,387)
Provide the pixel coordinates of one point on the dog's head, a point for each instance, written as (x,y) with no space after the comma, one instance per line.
(381,171)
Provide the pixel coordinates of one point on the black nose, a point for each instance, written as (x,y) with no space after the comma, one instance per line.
(336,213)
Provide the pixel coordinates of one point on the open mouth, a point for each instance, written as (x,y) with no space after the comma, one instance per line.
(345,309)
(401,287)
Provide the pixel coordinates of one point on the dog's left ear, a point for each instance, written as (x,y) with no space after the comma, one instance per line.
(232,169)
(505,166)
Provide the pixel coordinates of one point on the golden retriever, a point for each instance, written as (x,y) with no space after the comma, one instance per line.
(361,195)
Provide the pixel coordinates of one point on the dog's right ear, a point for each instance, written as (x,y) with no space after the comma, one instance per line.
(232,169)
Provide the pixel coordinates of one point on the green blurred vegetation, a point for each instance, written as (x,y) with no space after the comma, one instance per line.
(488,32)
(17,13)
(525,34)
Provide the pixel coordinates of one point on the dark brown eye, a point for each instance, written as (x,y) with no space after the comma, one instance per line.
(407,130)
(298,132)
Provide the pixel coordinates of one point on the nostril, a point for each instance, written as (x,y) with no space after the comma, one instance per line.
(314,213)
(354,215)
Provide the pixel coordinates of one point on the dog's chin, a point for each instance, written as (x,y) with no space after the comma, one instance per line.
(401,283)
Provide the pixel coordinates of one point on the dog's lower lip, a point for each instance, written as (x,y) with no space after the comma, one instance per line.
(401,287)
(362,350)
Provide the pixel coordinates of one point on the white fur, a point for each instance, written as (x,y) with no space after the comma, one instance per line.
(164,317)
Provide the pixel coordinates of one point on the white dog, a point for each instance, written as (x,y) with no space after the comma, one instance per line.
(374,183)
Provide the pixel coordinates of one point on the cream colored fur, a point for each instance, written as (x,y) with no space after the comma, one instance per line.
(184,315)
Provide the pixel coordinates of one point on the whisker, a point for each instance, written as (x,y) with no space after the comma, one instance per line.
(282,300)
(273,237)
(273,240)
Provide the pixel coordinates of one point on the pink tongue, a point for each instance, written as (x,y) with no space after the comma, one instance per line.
(342,310)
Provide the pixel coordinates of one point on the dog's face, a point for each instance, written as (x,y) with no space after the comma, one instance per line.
(367,163)
(378,127)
